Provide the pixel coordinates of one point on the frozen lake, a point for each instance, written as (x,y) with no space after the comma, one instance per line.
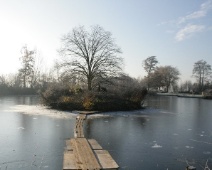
(170,133)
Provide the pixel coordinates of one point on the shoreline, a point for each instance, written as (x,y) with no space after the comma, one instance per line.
(182,95)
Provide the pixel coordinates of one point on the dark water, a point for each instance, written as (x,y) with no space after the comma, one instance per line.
(171,133)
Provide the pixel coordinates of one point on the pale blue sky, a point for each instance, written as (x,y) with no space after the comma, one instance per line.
(178,32)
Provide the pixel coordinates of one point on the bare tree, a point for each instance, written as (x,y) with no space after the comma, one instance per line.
(149,65)
(155,80)
(27,71)
(186,86)
(170,75)
(164,76)
(201,71)
(90,55)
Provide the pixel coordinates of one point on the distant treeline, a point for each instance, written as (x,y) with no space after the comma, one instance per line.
(4,90)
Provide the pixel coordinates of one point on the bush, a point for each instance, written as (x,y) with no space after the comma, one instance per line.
(67,98)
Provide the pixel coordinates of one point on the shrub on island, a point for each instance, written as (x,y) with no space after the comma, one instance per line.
(68,98)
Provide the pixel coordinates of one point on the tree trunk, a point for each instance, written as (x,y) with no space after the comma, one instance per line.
(24,81)
(148,82)
(89,84)
(167,88)
(200,82)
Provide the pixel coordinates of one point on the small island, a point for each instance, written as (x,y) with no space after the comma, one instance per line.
(115,98)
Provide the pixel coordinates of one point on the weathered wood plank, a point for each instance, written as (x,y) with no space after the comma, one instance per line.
(78,131)
(94,144)
(84,155)
(105,159)
(82,116)
(69,162)
(77,160)
(68,145)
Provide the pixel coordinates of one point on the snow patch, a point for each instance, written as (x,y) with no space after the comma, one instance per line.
(156,146)
(21,128)
(36,110)
(189,147)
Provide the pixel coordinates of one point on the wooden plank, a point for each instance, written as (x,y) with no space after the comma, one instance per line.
(68,145)
(81,116)
(84,155)
(78,131)
(77,160)
(94,144)
(69,162)
(105,159)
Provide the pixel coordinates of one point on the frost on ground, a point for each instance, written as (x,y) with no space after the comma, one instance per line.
(42,110)
(46,111)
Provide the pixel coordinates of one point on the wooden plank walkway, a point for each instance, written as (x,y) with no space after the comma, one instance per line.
(86,154)
(78,131)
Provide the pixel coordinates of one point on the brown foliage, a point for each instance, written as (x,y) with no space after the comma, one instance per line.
(65,98)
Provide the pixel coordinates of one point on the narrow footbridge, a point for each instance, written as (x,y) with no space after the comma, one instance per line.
(86,154)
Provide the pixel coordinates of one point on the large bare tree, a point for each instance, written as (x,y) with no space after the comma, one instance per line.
(90,55)
(201,71)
